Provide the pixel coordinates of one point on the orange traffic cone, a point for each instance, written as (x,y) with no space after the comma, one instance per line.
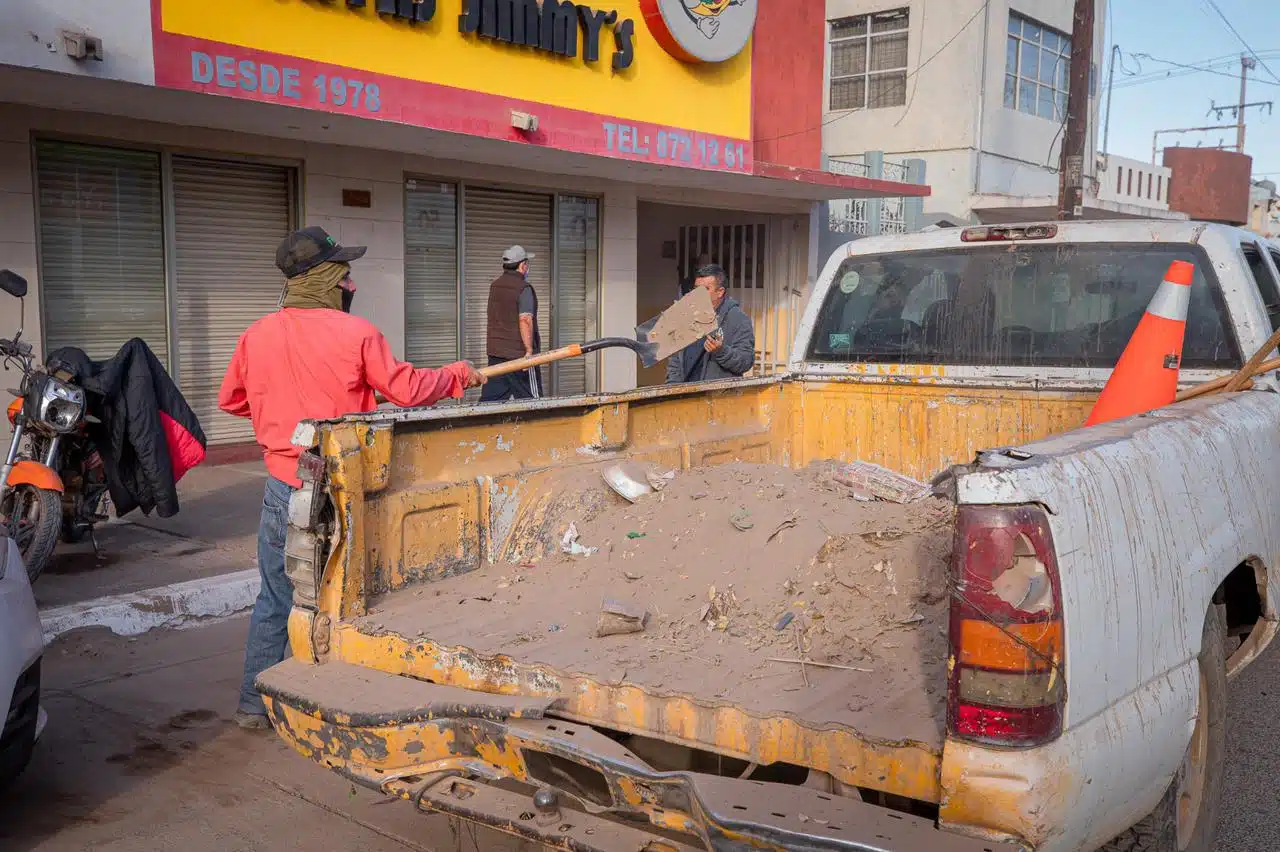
(1146,376)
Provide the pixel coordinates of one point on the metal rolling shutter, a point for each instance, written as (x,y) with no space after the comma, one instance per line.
(495,220)
(229,218)
(430,273)
(577,280)
(102,276)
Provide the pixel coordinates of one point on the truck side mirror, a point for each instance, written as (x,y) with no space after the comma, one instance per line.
(13,283)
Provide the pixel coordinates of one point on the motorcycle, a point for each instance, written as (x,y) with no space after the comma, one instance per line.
(53,483)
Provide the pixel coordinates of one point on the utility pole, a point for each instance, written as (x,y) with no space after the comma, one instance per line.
(1111,79)
(1247,64)
(1075,135)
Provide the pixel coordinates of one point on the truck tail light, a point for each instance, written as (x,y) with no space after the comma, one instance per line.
(1004,234)
(1007,684)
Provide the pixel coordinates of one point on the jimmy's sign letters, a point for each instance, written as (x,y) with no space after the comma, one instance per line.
(414,11)
(551,25)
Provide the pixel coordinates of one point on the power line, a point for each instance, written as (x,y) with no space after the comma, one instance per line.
(1230,60)
(1214,5)
(1157,76)
(909,76)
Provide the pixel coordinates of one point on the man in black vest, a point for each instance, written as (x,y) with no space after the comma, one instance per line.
(513,329)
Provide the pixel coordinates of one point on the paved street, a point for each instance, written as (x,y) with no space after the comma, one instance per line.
(1250,819)
(139,755)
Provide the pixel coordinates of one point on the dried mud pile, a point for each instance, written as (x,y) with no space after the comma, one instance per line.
(737,566)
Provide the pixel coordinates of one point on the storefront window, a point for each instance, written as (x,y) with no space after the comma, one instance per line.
(431,272)
(102,269)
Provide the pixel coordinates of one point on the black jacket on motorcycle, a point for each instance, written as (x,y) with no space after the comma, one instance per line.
(149,437)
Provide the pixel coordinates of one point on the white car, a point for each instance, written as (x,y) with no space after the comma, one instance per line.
(21,646)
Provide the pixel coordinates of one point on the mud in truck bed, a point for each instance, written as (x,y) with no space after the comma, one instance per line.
(742,570)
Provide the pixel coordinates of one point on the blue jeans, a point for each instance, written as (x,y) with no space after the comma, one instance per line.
(269,624)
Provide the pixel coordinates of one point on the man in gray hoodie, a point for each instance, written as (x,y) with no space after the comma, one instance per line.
(726,354)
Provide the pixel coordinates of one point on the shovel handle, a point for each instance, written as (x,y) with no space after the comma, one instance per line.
(573,350)
(515,366)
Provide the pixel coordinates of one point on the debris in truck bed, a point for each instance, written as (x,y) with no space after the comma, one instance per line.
(867,481)
(619,617)
(743,564)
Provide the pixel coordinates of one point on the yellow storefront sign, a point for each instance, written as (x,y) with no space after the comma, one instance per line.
(651,86)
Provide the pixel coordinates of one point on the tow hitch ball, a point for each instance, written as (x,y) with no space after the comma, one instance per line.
(546,806)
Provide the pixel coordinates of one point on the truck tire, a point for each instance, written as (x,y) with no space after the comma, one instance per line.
(1198,816)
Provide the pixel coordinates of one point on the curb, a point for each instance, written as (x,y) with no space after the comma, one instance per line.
(175,606)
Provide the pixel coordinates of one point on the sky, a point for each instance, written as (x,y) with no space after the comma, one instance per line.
(1153,95)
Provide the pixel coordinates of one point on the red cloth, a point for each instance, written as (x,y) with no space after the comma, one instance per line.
(185,450)
(315,364)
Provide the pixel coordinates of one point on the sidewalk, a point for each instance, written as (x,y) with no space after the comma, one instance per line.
(201,563)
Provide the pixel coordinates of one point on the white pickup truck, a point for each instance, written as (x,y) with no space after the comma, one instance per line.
(1105,583)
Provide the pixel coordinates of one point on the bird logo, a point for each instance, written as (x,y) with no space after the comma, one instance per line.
(705,14)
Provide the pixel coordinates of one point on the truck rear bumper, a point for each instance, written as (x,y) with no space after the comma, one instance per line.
(481,757)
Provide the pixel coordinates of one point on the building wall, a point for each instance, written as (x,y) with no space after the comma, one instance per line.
(31,37)
(1264,209)
(954,117)
(1127,181)
(941,109)
(1210,185)
(787,100)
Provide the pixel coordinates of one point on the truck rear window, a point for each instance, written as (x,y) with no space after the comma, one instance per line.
(1013,305)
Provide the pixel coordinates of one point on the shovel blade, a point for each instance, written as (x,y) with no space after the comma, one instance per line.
(684,323)
(647,352)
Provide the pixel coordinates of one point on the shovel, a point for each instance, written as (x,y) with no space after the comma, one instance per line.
(686,322)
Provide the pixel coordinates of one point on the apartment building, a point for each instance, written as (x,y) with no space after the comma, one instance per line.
(976,89)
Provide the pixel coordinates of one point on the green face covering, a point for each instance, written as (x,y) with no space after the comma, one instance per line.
(319,287)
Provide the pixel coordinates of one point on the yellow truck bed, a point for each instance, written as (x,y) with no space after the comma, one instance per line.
(432,511)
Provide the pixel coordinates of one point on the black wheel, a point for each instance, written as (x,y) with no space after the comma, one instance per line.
(34,522)
(1186,819)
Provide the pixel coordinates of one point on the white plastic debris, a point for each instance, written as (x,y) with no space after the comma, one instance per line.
(569,543)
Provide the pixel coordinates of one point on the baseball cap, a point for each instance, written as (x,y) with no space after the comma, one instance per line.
(308,248)
(517,254)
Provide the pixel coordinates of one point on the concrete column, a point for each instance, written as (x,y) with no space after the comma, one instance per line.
(875,171)
(913,208)
(618,287)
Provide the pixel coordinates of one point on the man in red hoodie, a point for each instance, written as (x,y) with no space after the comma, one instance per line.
(311,360)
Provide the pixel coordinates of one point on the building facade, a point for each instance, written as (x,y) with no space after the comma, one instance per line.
(975,89)
(153,153)
(1264,209)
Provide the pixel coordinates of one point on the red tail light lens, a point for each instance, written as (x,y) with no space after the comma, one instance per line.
(1007,684)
